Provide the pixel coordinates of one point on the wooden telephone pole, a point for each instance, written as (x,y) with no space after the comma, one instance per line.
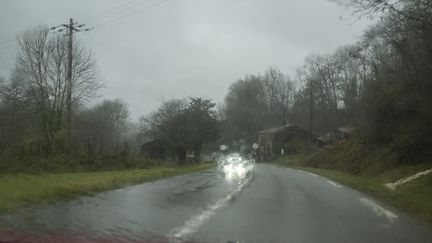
(69,82)
(71,28)
(311,107)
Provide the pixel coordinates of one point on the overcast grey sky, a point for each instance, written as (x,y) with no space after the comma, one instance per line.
(183,48)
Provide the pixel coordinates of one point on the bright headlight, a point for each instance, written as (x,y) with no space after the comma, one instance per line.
(234,166)
(240,170)
(227,168)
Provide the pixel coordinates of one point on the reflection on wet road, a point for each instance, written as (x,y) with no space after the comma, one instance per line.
(272,205)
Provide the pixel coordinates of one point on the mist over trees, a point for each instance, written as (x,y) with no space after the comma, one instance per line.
(381,84)
(33,111)
(255,102)
(182,125)
(101,129)
(33,102)
(397,55)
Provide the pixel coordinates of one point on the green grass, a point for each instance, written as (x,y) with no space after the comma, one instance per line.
(368,168)
(288,159)
(414,198)
(18,190)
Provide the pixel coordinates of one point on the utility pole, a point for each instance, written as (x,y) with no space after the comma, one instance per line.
(69,83)
(310,110)
(71,28)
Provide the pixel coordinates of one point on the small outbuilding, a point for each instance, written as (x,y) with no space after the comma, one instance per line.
(152,149)
(279,141)
(345,132)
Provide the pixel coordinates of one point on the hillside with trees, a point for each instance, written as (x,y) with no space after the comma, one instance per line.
(380,85)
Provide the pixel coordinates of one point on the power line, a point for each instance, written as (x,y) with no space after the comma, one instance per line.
(108,11)
(7,37)
(7,47)
(125,12)
(6,41)
(128,14)
(107,16)
(113,11)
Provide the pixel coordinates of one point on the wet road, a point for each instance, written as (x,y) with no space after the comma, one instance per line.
(273,205)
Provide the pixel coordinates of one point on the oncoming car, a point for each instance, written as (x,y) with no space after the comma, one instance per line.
(235,166)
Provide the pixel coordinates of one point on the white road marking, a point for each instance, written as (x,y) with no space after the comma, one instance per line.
(312,174)
(333,184)
(379,211)
(402,181)
(193,224)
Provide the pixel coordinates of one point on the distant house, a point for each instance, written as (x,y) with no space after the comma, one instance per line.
(278,141)
(338,134)
(152,149)
(190,156)
(344,132)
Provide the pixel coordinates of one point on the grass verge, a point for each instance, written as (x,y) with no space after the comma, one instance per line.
(413,198)
(18,190)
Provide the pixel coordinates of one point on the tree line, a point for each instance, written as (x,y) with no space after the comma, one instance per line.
(182,125)
(33,115)
(381,85)
(33,103)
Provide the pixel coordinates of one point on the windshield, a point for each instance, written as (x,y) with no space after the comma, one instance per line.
(216,121)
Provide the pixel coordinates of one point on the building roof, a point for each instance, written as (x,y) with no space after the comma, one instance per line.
(146,140)
(347,130)
(291,127)
(281,128)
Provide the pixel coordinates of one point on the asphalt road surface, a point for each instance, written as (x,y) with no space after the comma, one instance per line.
(272,205)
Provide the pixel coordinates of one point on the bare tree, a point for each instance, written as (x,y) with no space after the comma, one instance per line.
(257,102)
(115,115)
(182,126)
(279,93)
(417,11)
(16,112)
(42,63)
(101,129)
(167,125)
